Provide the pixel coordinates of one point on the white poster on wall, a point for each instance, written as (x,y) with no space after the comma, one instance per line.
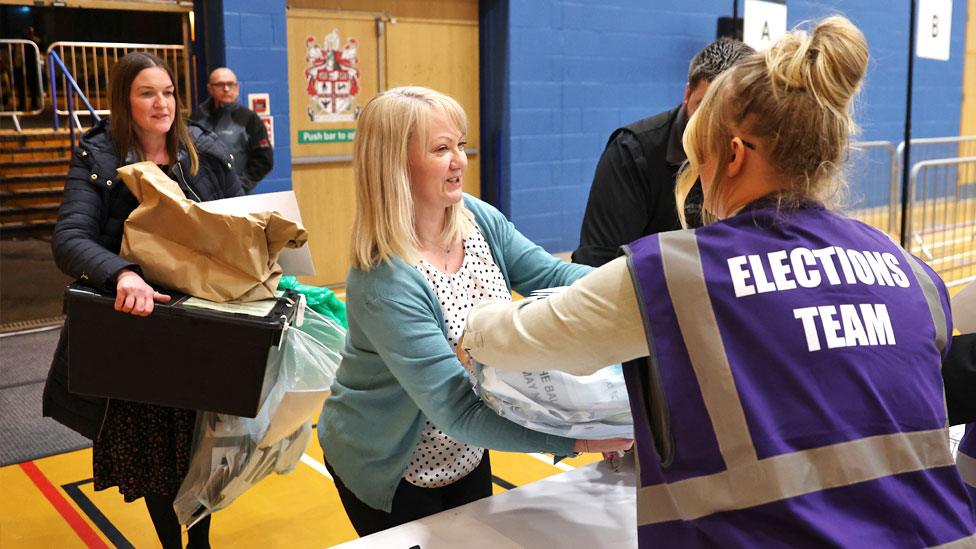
(764,22)
(934,29)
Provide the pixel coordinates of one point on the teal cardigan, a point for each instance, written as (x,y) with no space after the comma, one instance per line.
(398,368)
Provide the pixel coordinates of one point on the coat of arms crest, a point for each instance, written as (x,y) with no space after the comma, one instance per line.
(332,78)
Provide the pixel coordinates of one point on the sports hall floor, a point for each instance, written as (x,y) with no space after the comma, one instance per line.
(50,503)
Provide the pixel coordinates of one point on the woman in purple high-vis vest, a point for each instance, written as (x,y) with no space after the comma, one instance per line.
(784,370)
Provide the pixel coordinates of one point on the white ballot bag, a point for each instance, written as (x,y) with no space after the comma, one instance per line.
(964,310)
(587,407)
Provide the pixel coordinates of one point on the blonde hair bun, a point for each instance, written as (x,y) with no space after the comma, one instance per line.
(795,101)
(829,63)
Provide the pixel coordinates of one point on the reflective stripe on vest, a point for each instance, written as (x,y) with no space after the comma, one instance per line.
(747,480)
(966,457)
(966,542)
(967,468)
(931,294)
(696,319)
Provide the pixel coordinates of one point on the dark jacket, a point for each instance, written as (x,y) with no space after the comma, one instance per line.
(632,194)
(245,136)
(959,376)
(88,236)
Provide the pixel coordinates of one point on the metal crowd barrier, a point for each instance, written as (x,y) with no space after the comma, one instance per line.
(942,216)
(934,148)
(21,70)
(874,176)
(872,173)
(92,62)
(72,91)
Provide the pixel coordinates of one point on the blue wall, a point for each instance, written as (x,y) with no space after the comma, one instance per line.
(577,70)
(566,73)
(256,50)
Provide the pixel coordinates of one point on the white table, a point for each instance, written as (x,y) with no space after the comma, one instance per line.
(590,507)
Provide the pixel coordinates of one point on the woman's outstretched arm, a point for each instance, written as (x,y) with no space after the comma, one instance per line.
(594,323)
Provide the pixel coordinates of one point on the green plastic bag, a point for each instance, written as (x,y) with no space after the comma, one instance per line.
(319,299)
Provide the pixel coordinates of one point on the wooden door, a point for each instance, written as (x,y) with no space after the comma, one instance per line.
(322,130)
(968,123)
(443,55)
(393,47)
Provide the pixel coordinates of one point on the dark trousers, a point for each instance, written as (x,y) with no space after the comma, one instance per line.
(413,502)
(168,527)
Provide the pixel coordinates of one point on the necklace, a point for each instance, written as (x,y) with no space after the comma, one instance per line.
(439,247)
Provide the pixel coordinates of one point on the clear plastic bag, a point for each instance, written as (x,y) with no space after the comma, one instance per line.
(589,407)
(231,453)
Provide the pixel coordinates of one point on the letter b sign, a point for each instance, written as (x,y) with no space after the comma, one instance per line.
(934,29)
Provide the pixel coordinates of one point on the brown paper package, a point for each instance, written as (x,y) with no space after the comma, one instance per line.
(179,245)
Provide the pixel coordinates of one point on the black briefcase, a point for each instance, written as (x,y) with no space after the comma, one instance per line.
(180,355)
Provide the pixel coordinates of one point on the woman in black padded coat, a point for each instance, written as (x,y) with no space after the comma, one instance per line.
(143,449)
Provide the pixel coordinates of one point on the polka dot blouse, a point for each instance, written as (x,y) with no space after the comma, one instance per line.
(439,460)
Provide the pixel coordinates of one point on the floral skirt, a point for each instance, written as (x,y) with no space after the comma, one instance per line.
(143,449)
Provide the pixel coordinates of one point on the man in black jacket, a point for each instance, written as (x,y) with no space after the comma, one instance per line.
(633,188)
(959,376)
(237,126)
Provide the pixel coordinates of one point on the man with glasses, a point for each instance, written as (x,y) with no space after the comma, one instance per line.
(237,126)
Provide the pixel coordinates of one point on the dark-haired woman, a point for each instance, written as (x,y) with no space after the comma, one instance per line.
(143,449)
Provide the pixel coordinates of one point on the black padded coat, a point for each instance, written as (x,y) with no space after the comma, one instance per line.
(246,138)
(88,236)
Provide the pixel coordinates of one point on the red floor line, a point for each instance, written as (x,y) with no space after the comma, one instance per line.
(58,501)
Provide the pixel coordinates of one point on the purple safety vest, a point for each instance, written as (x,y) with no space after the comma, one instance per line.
(966,459)
(793,395)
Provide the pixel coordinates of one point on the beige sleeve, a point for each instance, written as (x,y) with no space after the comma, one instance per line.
(592,324)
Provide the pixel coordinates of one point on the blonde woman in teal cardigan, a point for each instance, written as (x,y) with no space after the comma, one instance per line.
(404,434)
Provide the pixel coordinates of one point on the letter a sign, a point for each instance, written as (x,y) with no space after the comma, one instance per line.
(765,21)
(934,29)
